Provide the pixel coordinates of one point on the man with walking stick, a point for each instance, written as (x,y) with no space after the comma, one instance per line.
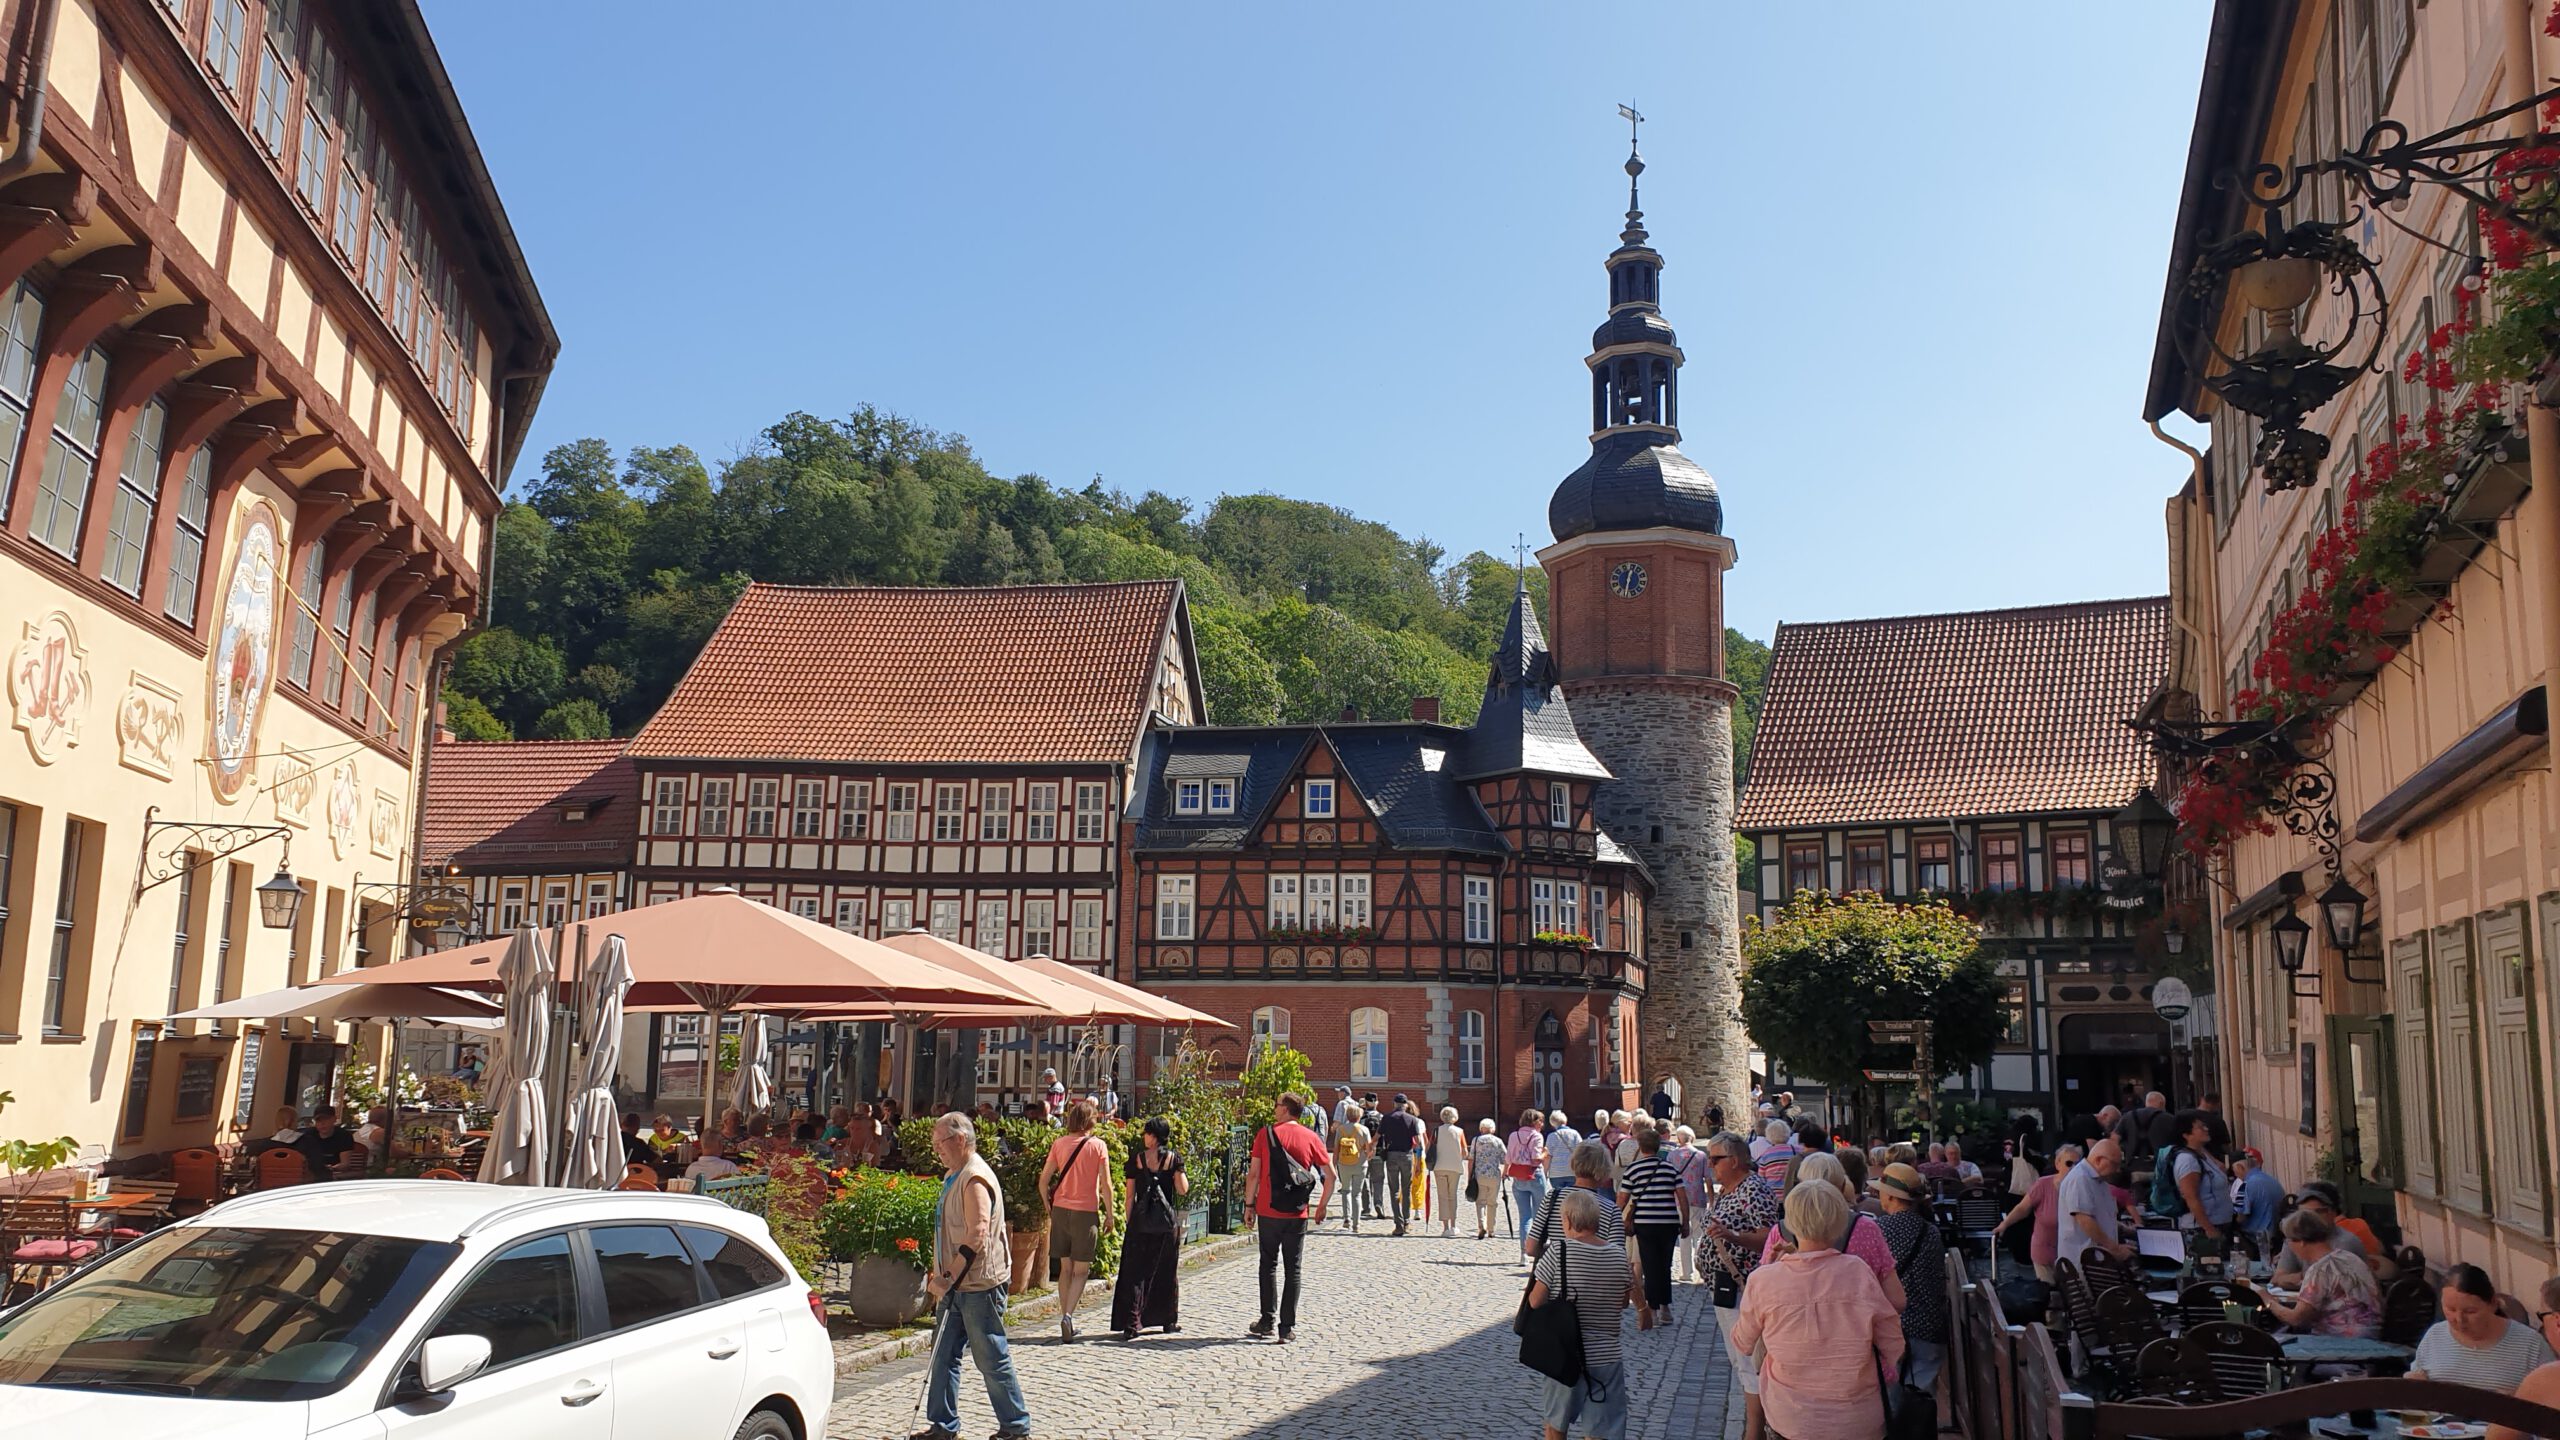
(972,1261)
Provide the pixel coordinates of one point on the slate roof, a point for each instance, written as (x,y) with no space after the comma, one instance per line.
(1400,770)
(1012,675)
(1635,480)
(1524,723)
(494,803)
(1990,712)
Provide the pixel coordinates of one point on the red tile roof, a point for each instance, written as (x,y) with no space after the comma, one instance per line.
(1993,712)
(498,803)
(1016,675)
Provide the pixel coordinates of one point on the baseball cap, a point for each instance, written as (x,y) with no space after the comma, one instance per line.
(1904,1180)
(1400,1098)
(1342,1089)
(2254,1157)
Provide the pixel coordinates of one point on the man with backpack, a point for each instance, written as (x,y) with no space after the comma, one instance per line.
(1291,1180)
(1351,1146)
(1399,1139)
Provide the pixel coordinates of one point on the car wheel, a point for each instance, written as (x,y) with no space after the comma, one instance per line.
(764,1425)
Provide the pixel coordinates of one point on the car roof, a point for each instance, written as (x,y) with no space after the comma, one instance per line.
(447,1210)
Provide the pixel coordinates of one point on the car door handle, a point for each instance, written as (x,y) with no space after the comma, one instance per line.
(581,1393)
(723,1348)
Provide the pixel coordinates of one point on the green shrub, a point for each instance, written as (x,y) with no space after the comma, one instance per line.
(880,1212)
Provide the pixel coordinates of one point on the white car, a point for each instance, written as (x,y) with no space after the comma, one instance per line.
(405,1309)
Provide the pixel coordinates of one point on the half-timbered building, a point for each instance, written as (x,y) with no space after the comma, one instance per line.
(1417,906)
(889,759)
(1980,758)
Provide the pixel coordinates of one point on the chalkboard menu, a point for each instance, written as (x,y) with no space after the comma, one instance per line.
(2310,1063)
(198,1077)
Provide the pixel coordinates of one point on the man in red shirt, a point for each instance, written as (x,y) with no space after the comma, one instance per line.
(1282,1229)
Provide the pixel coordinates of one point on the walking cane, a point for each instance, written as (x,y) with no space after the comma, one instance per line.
(941,1312)
(1509,1225)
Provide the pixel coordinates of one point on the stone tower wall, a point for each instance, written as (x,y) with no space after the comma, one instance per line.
(1670,745)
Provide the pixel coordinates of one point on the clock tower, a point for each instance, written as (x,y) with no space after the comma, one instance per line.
(1635,583)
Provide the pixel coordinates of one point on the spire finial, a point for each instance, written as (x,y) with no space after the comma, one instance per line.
(1634,233)
(1520,562)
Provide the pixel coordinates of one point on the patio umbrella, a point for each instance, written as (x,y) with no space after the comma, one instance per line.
(755,1083)
(364,1000)
(520,1135)
(1125,1004)
(594,1161)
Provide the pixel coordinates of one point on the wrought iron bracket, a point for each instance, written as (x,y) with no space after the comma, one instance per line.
(411,900)
(2306,983)
(2387,165)
(199,844)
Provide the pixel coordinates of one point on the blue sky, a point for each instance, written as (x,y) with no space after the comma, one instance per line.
(1352,254)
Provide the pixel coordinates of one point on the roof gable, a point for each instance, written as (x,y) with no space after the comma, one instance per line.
(1524,723)
(1400,775)
(489,802)
(1992,712)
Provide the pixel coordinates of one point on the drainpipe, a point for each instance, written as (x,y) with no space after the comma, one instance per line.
(2195,464)
(31,101)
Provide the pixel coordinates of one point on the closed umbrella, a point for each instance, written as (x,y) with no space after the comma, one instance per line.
(755,1083)
(594,1161)
(520,1135)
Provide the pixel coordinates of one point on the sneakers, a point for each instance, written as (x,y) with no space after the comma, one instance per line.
(1287,1334)
(1010,1435)
(1259,1329)
(929,1433)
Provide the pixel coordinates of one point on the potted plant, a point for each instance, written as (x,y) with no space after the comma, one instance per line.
(882,1226)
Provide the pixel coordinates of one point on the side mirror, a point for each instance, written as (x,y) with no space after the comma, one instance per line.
(447,1360)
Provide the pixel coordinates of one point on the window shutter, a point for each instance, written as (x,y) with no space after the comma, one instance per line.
(2458,1062)
(2515,1068)
(2392,40)
(2415,1060)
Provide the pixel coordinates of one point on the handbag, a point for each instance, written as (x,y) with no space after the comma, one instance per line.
(1551,1334)
(1475,1185)
(1546,1226)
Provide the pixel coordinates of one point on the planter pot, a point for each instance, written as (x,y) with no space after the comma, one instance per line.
(2492,489)
(2407,612)
(1030,1259)
(884,1292)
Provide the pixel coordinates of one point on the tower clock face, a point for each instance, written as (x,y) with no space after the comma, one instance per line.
(1627,581)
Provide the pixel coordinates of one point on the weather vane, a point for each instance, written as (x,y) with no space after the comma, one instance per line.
(1628,113)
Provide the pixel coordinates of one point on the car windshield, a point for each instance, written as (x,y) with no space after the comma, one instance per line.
(222,1313)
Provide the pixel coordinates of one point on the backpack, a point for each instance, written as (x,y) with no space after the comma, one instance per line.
(2165,1199)
(1346,1150)
(1292,1183)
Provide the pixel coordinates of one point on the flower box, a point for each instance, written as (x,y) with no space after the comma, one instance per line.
(2493,478)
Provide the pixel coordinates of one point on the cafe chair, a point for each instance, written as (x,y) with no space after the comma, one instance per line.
(638,1177)
(1977,1214)
(2408,1310)
(2245,1360)
(197,1176)
(2202,1302)
(2128,1321)
(2176,1371)
(2104,1272)
(42,1242)
(279,1166)
(439,1173)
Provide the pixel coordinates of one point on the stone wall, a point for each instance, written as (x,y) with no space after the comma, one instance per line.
(1670,745)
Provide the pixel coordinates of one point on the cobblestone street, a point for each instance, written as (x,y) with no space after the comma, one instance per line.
(1403,1338)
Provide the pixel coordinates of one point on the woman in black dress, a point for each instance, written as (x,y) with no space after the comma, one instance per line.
(1147,1292)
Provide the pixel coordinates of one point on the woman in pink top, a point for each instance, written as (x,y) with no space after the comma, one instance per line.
(1076,1181)
(1820,1325)
(1866,1238)
(2040,1210)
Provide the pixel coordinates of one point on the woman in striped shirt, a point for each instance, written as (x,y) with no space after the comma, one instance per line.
(1657,1211)
(1586,1267)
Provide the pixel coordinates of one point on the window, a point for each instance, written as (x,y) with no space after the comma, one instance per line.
(511,906)
(849,915)
(1569,906)
(1084,930)
(305,601)
(1804,866)
(58,1007)
(1470,1047)
(805,906)
(1319,804)
(1173,907)
(1222,797)
(311,169)
(902,812)
(2459,1091)
(763,798)
(1040,927)
(555,904)
(244,1096)
(1479,910)
(222,934)
(1040,814)
(1614,1024)
(225,36)
(2013,1015)
(1091,815)
(137,1086)
(180,937)
(1560,805)
(377,264)
(808,808)
(1283,901)
(1355,900)
(1189,796)
(2000,865)
(950,806)
(853,818)
(736,1266)
(342,620)
(599,898)
(670,817)
(2067,851)
(348,232)
(943,919)
(275,89)
(714,816)
(137,500)
(363,654)
(1368,1044)
(990,933)
(525,1302)
(21,320)
(1866,865)
(71,462)
(897,917)
(1933,863)
(8,867)
(2413,1031)
(1270,1031)
(995,812)
(1599,931)
(1319,898)
(1542,906)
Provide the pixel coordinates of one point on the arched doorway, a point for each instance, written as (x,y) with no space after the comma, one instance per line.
(2100,1058)
(1546,1064)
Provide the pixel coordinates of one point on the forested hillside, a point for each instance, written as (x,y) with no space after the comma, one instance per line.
(612,570)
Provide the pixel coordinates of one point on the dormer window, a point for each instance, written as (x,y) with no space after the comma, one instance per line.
(1319,801)
(1222,797)
(574,812)
(1559,805)
(1189,796)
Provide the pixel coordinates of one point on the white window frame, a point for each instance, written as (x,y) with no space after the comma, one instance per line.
(599,898)
(995,813)
(714,816)
(1084,929)
(1370,1054)
(1470,1047)
(1542,906)
(950,813)
(1351,892)
(943,920)
(805,906)
(1222,797)
(667,817)
(1599,931)
(902,813)
(808,809)
(1283,900)
(1040,813)
(853,816)
(1477,891)
(1176,896)
(1039,926)
(510,909)
(1270,1031)
(1559,805)
(555,904)
(764,797)
(1190,797)
(849,914)
(897,917)
(1092,819)
(1319,800)
(1318,893)
(991,927)
(1569,906)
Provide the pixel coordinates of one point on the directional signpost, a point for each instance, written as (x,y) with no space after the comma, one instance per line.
(1892,1077)
(1914,1033)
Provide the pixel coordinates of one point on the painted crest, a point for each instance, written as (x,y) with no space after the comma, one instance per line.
(150,727)
(244,647)
(293,784)
(49,686)
(385,830)
(346,809)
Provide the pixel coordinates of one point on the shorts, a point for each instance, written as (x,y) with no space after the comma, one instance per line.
(1746,1368)
(1073,1234)
(1596,1406)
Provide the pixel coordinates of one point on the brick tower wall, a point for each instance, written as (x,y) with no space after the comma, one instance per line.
(1670,743)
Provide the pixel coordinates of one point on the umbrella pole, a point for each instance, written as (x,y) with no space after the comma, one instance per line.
(711,1071)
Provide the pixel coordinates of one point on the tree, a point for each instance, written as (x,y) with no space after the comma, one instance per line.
(579,719)
(1814,977)
(1239,684)
(468,719)
(516,677)
(1746,664)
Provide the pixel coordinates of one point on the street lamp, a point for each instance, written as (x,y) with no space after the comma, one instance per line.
(2342,911)
(2173,938)
(280,900)
(2143,829)
(2293,935)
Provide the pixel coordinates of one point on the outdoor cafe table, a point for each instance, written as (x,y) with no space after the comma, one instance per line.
(2304,1351)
